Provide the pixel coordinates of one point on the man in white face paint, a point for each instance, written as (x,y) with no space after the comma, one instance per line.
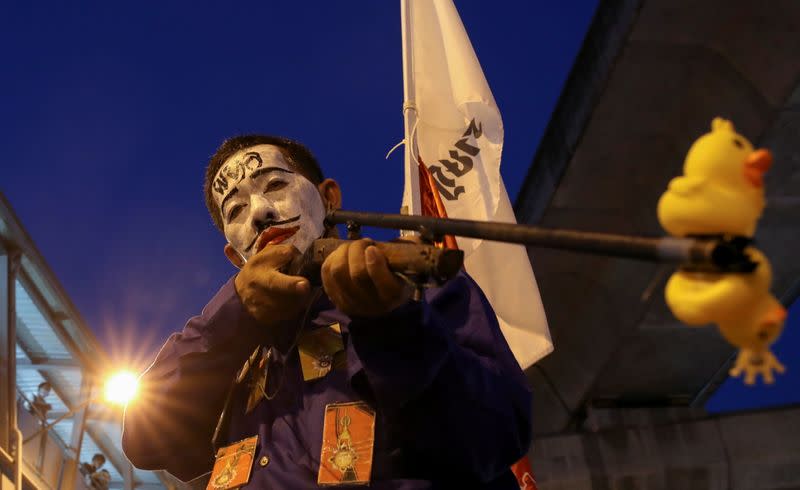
(255,197)
(351,384)
(266,195)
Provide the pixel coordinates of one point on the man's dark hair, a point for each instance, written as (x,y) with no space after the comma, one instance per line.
(100,457)
(297,155)
(46,385)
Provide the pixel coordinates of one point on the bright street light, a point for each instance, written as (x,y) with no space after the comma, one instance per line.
(122,387)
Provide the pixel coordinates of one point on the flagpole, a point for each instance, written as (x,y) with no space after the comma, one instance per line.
(411,197)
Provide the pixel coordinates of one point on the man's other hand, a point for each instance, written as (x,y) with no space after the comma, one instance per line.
(357,279)
(270,296)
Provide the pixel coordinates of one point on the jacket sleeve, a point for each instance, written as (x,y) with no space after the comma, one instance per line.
(443,375)
(170,425)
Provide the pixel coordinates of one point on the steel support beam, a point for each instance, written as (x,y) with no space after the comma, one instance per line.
(9,265)
(78,429)
(6,382)
(90,415)
(128,481)
(49,365)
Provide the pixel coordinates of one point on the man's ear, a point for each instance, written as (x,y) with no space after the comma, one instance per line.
(331,194)
(233,256)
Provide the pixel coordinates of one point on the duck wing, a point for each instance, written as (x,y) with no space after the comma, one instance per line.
(687,185)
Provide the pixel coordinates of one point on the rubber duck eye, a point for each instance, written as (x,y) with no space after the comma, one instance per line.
(738,143)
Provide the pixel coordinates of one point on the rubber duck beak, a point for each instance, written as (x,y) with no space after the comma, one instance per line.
(777,315)
(756,165)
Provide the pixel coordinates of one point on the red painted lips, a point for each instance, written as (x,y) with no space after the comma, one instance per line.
(273,236)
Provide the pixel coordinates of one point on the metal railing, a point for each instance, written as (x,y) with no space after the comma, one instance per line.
(36,463)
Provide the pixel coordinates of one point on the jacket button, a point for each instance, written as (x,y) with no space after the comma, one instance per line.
(264,461)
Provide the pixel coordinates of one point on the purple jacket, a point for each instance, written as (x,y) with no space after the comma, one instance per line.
(453,408)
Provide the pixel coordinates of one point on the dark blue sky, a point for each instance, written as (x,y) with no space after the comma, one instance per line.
(110,112)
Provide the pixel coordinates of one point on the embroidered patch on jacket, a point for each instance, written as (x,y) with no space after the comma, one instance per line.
(348,438)
(233,465)
(321,350)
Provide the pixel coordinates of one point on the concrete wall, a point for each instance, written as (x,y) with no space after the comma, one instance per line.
(749,451)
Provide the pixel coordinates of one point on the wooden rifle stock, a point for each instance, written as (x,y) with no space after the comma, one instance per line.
(420,263)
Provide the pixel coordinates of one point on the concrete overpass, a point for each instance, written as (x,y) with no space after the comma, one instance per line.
(619,404)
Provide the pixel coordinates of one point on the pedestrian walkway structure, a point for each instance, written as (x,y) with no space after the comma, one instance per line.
(44,339)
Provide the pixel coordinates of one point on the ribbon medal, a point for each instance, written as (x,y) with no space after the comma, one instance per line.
(233,465)
(348,438)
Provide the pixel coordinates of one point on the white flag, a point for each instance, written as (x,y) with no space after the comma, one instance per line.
(458,135)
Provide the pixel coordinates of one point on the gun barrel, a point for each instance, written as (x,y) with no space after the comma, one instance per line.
(709,253)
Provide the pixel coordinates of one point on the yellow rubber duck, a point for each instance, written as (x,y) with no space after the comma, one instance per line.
(747,315)
(722,187)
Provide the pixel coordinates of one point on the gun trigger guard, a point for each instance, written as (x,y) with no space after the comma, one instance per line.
(406,279)
(419,287)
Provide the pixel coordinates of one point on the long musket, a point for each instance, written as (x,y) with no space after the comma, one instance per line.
(424,263)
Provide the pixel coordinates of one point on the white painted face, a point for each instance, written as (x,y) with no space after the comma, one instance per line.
(257,191)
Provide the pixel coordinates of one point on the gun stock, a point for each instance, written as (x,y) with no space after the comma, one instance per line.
(419,262)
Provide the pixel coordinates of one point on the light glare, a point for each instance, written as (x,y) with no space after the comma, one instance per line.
(122,387)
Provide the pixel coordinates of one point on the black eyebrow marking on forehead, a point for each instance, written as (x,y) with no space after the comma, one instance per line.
(230,195)
(251,155)
(265,170)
